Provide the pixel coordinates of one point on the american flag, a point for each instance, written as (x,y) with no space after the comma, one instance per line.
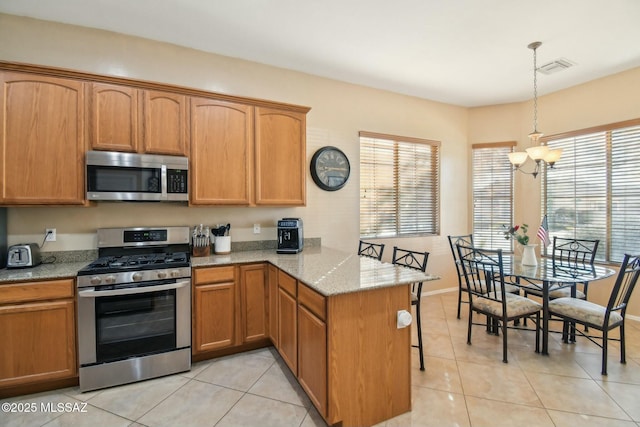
(543,232)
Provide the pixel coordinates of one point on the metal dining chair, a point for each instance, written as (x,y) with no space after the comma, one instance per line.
(483,270)
(464,240)
(371,250)
(418,261)
(568,253)
(603,318)
(467,240)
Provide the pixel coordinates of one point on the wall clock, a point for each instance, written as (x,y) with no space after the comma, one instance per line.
(330,168)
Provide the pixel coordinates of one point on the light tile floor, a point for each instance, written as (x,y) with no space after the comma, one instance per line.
(462,386)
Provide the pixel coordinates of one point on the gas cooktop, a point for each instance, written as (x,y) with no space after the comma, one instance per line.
(118,263)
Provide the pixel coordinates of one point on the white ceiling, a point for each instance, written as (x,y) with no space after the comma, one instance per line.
(463,52)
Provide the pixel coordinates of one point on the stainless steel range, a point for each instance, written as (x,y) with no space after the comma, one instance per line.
(134,307)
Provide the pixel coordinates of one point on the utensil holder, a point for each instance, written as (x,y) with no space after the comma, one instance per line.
(222,245)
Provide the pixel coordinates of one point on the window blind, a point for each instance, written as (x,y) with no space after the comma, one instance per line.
(593,192)
(399,186)
(492,194)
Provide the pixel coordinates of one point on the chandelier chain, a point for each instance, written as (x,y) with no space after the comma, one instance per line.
(535,91)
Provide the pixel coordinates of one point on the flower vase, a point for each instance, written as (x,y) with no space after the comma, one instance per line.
(529,255)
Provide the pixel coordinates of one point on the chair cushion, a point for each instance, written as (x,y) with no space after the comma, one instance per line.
(516,306)
(583,311)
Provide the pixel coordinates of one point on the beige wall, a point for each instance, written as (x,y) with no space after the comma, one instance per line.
(338,112)
(608,100)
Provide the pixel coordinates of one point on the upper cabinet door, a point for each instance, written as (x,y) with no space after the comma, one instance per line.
(221,152)
(114,113)
(165,123)
(280,157)
(43,142)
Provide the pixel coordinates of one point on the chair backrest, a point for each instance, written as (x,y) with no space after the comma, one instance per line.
(411,259)
(454,241)
(483,270)
(574,252)
(371,250)
(624,285)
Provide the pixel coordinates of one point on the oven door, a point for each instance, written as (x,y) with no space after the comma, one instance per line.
(124,321)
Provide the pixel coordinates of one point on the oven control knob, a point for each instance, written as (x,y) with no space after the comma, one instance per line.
(96,280)
(110,279)
(175,273)
(162,274)
(136,277)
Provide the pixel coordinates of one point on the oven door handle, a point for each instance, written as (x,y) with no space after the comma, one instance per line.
(91,293)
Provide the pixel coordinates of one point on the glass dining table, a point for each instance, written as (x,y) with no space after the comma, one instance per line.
(548,273)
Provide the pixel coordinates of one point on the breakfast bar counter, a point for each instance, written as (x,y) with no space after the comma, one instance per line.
(327,271)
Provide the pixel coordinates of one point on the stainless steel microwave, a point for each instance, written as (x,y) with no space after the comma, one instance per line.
(136,177)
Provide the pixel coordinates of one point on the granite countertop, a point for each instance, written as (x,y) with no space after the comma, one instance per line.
(328,271)
(59,270)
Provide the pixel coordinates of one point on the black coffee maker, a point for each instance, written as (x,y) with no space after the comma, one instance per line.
(290,236)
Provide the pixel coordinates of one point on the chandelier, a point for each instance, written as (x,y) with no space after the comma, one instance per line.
(538,153)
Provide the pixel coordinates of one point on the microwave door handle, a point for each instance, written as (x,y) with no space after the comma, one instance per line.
(163,180)
(90,293)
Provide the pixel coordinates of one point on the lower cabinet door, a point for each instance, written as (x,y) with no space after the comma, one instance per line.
(287,326)
(312,357)
(214,316)
(254,307)
(38,342)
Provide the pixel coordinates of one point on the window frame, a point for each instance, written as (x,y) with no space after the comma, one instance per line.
(495,237)
(607,182)
(395,227)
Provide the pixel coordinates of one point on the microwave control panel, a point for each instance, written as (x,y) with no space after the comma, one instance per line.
(177,181)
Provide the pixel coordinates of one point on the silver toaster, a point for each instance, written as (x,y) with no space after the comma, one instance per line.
(23,255)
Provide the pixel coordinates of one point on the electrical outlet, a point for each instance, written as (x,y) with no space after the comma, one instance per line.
(256,228)
(50,234)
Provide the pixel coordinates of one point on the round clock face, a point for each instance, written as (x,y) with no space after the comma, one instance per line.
(330,168)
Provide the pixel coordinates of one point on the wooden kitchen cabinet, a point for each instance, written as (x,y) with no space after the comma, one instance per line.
(43,140)
(254,292)
(312,346)
(214,309)
(273,303)
(280,146)
(114,117)
(221,152)
(245,155)
(124,118)
(37,332)
(165,123)
(288,321)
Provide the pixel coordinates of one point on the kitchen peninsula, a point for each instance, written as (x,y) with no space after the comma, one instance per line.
(331,315)
(333,318)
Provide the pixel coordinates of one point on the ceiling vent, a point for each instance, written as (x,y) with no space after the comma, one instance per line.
(555,66)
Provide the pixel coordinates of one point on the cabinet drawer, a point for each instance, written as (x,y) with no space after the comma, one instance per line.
(213,275)
(287,283)
(36,291)
(313,301)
